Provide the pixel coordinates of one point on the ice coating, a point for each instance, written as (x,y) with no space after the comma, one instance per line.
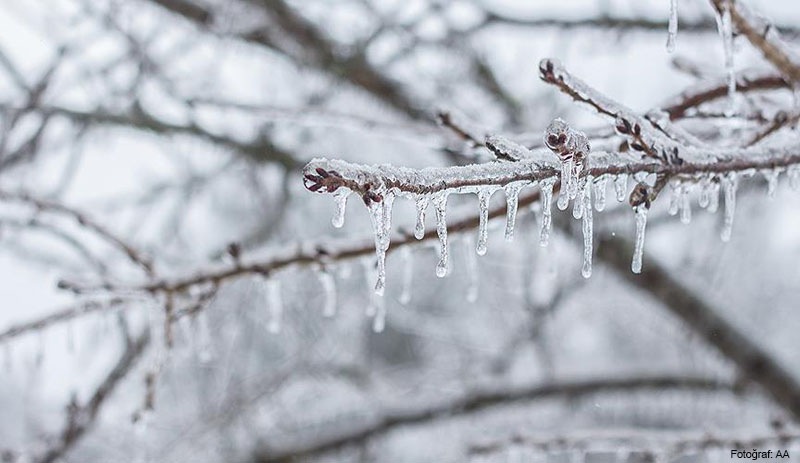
(421,204)
(340,198)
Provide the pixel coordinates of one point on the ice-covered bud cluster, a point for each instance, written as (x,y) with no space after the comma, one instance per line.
(572,148)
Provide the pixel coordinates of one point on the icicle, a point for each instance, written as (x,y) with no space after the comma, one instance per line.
(577,206)
(379,321)
(726,32)
(638,252)
(674,198)
(705,192)
(422,206)
(587,226)
(621,186)
(340,197)
(472,270)
(729,183)
(275,304)
(713,203)
(408,274)
(546,186)
(686,206)
(512,200)
(600,193)
(794,177)
(672,33)
(440,204)
(328,284)
(566,180)
(381,216)
(771,175)
(483,227)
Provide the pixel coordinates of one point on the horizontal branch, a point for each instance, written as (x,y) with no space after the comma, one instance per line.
(478,401)
(669,444)
(367,180)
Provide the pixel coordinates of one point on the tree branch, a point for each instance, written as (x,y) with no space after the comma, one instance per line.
(475,402)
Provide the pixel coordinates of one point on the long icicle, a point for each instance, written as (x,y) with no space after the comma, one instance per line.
(422,207)
(672,33)
(729,183)
(546,186)
(587,227)
(641,224)
(512,202)
(483,213)
(440,204)
(340,198)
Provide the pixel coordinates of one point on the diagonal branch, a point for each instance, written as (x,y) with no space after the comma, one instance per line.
(752,360)
(81,418)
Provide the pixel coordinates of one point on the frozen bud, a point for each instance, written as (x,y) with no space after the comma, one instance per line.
(555,137)
(578,144)
(640,195)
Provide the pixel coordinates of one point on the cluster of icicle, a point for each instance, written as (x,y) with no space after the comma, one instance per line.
(586,193)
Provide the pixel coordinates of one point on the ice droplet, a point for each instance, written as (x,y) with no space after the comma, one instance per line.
(275,305)
(674,198)
(408,274)
(729,184)
(577,206)
(440,204)
(340,198)
(484,195)
(600,193)
(472,270)
(621,186)
(638,251)
(512,201)
(546,186)
(329,292)
(794,177)
(587,227)
(422,206)
(672,33)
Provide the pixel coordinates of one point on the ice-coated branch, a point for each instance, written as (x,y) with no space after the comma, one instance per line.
(669,446)
(475,402)
(678,106)
(49,206)
(763,36)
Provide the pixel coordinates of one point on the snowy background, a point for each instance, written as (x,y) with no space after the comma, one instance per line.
(182,135)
